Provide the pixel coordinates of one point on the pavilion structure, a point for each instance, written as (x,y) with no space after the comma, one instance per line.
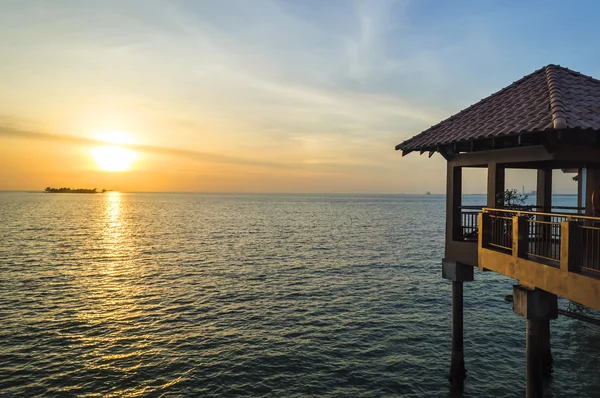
(548,120)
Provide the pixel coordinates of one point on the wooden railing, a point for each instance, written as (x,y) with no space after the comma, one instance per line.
(501,235)
(544,239)
(468,228)
(541,237)
(590,248)
(469,224)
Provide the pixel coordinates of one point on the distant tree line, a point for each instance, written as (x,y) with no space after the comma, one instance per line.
(69,190)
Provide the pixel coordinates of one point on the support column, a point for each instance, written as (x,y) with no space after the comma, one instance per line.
(535,354)
(544,190)
(453,202)
(538,307)
(458,372)
(495,185)
(546,349)
(457,273)
(544,205)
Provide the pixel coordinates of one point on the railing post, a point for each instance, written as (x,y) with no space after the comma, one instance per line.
(484,230)
(520,238)
(571,250)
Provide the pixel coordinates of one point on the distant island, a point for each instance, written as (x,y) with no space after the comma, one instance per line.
(69,190)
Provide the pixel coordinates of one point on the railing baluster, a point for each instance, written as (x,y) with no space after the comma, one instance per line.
(591,248)
(597,246)
(584,260)
(590,241)
(469,223)
(589,255)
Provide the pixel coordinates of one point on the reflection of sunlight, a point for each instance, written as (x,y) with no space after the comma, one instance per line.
(112,212)
(115,235)
(115,299)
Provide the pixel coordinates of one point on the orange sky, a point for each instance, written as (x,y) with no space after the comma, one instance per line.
(262,97)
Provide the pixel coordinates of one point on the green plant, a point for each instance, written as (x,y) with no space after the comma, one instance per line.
(512,199)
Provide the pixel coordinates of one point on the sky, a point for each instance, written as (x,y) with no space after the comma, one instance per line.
(263,96)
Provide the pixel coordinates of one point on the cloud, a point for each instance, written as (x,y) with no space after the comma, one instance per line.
(11,132)
(315,86)
(318,165)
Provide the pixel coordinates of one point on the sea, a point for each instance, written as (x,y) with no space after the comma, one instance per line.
(144,294)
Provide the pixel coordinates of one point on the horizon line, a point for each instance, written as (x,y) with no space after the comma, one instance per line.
(274,193)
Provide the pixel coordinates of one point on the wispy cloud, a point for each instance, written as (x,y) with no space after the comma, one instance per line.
(11,132)
(205,157)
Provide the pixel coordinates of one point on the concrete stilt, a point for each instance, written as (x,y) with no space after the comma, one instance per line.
(538,307)
(535,354)
(457,273)
(547,359)
(458,373)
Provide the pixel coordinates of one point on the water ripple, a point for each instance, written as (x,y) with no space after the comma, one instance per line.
(281,295)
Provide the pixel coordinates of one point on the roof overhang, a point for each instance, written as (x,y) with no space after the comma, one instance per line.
(551,106)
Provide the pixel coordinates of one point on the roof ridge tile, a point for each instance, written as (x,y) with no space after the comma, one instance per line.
(557,103)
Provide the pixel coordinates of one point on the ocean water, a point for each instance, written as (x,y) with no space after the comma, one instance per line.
(254,295)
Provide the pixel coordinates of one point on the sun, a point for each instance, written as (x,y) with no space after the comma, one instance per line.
(114,157)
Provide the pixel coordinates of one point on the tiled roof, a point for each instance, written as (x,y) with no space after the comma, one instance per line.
(551,98)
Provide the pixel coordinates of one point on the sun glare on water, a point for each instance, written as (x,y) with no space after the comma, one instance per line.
(114,156)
